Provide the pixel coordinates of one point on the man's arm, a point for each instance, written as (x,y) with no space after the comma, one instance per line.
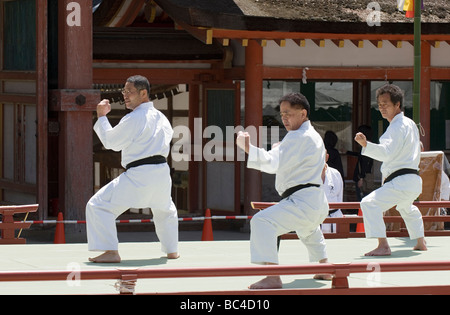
(115,138)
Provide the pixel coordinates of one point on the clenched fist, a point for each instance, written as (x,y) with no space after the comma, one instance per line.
(243,141)
(361,139)
(103,108)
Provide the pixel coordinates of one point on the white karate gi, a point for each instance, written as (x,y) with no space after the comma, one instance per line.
(142,133)
(399,148)
(334,190)
(299,159)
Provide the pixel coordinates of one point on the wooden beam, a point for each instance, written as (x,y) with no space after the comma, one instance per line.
(127,13)
(339,73)
(16,98)
(203,34)
(377,43)
(18,75)
(225,42)
(439,74)
(272,35)
(281,42)
(262,42)
(74,100)
(319,42)
(209,36)
(358,43)
(244,42)
(338,42)
(176,76)
(396,43)
(435,43)
(156,76)
(300,42)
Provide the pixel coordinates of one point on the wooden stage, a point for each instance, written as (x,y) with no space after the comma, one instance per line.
(196,257)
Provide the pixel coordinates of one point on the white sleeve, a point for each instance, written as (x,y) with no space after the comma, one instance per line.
(265,161)
(116,138)
(383,151)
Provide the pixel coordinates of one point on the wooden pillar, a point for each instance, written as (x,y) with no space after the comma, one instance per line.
(75,102)
(425,95)
(194,166)
(42,106)
(253,115)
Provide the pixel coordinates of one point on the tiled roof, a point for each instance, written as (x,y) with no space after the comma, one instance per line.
(339,16)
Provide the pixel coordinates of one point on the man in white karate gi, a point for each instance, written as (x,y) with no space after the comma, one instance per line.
(298,162)
(399,150)
(143,136)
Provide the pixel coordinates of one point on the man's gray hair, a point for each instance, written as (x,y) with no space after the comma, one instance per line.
(140,83)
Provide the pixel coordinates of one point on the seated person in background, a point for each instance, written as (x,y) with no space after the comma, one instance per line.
(330,140)
(363,175)
(333,186)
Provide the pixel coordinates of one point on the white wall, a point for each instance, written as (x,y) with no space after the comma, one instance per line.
(348,56)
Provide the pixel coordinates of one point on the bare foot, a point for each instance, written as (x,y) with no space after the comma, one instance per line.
(383,249)
(270,282)
(173,256)
(110,256)
(379,252)
(421,244)
(325,276)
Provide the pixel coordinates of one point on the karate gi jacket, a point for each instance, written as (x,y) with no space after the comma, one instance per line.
(299,159)
(142,133)
(399,146)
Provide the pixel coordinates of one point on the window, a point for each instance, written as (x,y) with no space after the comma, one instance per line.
(19,23)
(440,116)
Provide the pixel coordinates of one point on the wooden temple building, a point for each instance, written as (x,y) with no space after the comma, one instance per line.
(210,62)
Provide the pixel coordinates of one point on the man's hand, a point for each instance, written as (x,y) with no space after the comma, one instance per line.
(243,141)
(361,139)
(103,108)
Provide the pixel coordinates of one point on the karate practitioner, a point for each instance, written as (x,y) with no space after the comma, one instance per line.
(399,150)
(144,137)
(298,162)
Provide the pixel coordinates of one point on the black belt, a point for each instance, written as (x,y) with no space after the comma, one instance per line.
(156,159)
(292,190)
(400,172)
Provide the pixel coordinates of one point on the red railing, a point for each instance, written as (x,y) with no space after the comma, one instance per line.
(339,283)
(8,225)
(343,224)
(355,205)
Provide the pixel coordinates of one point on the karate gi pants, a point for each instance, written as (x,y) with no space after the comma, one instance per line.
(139,187)
(400,192)
(302,212)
